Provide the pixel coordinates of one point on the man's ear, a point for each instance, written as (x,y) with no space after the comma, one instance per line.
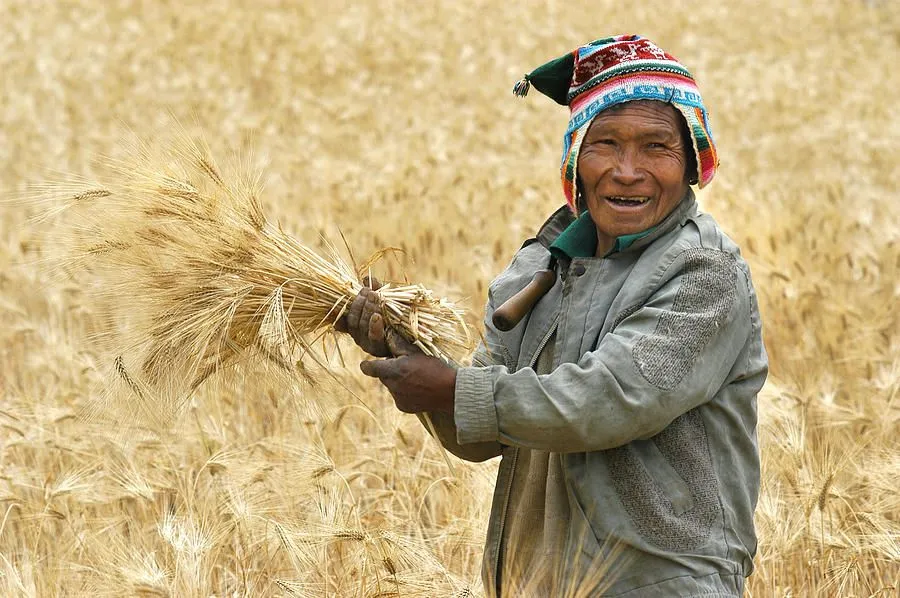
(580,201)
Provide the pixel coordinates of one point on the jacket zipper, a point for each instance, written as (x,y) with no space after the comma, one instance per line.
(500,547)
(515,458)
(544,341)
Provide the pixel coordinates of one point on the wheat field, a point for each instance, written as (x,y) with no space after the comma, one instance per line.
(393,123)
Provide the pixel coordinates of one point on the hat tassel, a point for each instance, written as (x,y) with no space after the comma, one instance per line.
(520,89)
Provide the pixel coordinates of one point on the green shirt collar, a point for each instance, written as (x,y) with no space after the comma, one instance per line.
(579,239)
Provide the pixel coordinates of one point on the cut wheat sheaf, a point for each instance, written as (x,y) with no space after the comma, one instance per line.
(198,280)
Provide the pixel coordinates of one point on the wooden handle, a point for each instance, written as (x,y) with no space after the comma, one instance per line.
(514,309)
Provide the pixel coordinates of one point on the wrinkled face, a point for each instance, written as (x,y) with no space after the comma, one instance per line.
(632,168)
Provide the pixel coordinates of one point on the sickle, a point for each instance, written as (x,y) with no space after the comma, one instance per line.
(514,309)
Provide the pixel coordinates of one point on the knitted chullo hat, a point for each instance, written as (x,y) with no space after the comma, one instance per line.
(611,71)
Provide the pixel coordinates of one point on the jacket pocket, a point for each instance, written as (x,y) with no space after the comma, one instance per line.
(667,484)
(664,476)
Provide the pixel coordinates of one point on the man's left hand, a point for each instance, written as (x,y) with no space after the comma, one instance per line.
(417,382)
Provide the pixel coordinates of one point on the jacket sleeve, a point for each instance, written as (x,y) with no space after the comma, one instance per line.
(671,354)
(488,353)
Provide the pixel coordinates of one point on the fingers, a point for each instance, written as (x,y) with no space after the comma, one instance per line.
(383,336)
(371,307)
(371,326)
(365,323)
(354,313)
(398,345)
(359,315)
(376,329)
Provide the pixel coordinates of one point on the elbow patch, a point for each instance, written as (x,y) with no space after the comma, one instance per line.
(701,307)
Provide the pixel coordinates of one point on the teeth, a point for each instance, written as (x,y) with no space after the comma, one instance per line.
(634,200)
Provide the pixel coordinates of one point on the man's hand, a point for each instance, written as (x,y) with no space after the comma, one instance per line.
(358,320)
(417,382)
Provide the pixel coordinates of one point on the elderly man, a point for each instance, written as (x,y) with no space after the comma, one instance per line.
(624,402)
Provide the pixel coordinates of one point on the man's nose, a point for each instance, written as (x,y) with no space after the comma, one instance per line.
(626,170)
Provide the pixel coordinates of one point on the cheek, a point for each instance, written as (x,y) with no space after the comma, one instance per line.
(591,166)
(671,169)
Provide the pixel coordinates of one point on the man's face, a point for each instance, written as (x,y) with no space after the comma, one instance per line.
(632,168)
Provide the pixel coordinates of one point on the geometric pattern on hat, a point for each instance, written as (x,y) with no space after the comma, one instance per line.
(611,71)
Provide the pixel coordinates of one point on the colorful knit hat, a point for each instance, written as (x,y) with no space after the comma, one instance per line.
(611,71)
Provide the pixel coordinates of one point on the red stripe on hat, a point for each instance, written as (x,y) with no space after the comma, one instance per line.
(640,78)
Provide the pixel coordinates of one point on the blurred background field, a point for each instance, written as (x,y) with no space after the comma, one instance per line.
(395,122)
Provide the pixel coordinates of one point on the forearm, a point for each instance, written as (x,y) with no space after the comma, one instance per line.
(446,434)
(445,426)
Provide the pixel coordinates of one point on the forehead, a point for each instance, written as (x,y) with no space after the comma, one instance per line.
(641,116)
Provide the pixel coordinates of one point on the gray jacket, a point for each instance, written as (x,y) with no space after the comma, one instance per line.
(650,405)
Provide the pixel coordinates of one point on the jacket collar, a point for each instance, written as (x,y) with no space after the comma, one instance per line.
(563,217)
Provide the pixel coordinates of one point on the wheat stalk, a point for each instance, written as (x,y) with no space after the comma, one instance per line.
(187,259)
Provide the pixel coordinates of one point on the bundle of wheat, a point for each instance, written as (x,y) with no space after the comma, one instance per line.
(199,280)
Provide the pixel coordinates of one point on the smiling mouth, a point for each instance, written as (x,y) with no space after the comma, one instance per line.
(627,201)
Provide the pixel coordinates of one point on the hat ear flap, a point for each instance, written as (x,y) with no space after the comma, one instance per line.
(580,198)
(552,79)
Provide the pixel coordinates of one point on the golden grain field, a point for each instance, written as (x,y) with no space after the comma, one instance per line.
(394,121)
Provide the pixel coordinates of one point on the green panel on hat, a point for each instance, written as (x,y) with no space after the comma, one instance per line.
(554,78)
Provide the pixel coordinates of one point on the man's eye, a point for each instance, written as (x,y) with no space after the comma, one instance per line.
(656,145)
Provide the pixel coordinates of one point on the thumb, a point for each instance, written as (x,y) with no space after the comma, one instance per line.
(371,368)
(383,369)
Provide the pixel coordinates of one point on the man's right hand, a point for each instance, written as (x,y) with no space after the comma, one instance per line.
(363,321)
